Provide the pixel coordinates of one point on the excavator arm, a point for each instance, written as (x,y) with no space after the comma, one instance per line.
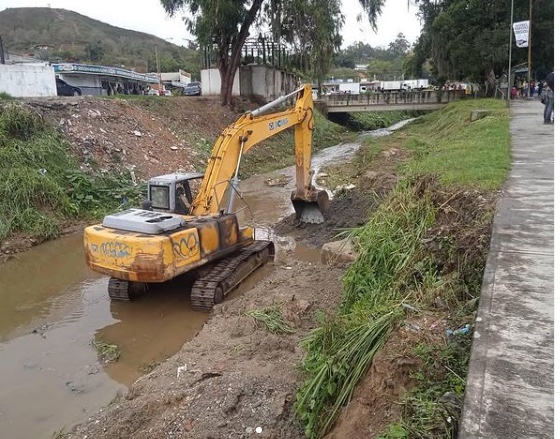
(251,129)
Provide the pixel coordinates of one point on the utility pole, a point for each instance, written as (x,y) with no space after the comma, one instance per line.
(157,67)
(510,42)
(529,42)
(2,60)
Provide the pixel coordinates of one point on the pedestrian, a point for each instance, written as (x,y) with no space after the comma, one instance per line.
(548,98)
(539,88)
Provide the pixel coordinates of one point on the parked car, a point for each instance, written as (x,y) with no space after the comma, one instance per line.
(193,89)
(153,92)
(65,89)
(167,93)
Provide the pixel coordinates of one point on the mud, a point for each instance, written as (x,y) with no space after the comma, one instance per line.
(234,376)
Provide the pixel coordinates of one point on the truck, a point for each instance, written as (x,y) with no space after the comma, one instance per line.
(188,224)
(415,84)
(349,87)
(391,85)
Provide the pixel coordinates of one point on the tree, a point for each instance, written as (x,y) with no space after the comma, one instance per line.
(94,52)
(385,70)
(400,46)
(469,39)
(312,27)
(225,25)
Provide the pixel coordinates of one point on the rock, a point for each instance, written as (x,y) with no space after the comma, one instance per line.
(174,148)
(94,114)
(137,133)
(338,252)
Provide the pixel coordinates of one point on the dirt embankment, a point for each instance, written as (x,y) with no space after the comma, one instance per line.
(148,136)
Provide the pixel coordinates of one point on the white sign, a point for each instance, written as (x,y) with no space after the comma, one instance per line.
(521,31)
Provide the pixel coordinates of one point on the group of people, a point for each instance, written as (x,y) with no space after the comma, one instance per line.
(544,89)
(547,98)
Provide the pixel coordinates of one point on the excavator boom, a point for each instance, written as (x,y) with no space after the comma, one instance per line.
(252,128)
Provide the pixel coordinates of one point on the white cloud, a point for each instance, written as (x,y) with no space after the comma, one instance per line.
(148,16)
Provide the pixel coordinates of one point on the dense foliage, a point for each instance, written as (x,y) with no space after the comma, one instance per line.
(42,186)
(383,63)
(469,39)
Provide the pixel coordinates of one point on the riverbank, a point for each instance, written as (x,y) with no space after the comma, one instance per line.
(429,234)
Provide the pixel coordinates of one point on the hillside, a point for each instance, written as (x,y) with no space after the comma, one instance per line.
(59,35)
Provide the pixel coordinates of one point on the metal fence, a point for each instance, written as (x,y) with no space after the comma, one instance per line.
(394,98)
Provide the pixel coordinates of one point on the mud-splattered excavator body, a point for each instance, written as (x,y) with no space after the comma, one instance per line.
(189,226)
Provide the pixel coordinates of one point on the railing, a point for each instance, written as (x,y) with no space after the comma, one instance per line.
(394,98)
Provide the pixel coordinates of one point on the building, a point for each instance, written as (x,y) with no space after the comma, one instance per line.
(260,81)
(176,79)
(103,80)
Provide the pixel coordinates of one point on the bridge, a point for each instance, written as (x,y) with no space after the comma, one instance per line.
(389,101)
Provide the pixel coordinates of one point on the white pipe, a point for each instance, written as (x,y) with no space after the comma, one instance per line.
(275,102)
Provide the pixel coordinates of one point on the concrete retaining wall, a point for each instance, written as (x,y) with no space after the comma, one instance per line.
(211,82)
(261,81)
(25,80)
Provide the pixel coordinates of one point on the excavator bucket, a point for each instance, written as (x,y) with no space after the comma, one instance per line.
(312,207)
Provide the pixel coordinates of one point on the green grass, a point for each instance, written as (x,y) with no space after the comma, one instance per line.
(6,96)
(368,121)
(448,155)
(106,352)
(272,320)
(42,185)
(460,152)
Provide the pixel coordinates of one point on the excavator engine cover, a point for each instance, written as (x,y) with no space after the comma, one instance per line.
(312,207)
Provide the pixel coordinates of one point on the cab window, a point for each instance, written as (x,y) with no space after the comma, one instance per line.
(159,196)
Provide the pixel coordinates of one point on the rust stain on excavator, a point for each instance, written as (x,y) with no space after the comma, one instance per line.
(150,268)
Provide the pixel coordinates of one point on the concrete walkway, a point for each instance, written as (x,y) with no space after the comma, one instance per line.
(510,385)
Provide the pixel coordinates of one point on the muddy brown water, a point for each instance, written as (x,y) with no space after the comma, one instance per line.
(52,307)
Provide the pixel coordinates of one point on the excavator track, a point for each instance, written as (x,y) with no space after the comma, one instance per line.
(215,284)
(125,290)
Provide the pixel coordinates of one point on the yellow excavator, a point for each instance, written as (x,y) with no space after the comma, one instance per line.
(188,224)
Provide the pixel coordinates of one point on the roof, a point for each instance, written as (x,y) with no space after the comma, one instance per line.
(90,69)
(167,178)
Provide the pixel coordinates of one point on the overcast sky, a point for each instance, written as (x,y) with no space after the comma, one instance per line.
(148,16)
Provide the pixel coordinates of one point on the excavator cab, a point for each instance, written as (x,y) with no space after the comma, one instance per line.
(173,193)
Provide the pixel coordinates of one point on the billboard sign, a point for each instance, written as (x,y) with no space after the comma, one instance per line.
(521,31)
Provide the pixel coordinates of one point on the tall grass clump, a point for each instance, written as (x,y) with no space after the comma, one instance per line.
(390,264)
(42,185)
(272,320)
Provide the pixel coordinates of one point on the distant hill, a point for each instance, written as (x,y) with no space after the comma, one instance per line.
(58,35)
